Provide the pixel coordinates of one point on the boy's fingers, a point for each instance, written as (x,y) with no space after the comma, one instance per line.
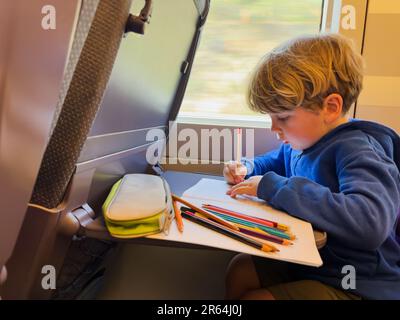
(239,179)
(240,190)
(239,185)
(232,167)
(240,170)
(234,172)
(228,174)
(229,178)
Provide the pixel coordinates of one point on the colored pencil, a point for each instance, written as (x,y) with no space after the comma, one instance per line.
(272,231)
(265,237)
(178,216)
(228,232)
(206,213)
(268,223)
(261,235)
(251,232)
(238,145)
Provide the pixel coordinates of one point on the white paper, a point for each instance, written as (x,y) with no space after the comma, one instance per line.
(303,250)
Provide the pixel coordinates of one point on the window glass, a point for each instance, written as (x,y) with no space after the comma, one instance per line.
(237,34)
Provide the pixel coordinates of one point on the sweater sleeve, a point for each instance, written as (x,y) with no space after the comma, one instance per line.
(362,213)
(271,161)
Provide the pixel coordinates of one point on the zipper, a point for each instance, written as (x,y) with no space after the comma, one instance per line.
(168,201)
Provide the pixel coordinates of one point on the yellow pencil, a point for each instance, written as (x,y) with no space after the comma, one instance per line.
(178,216)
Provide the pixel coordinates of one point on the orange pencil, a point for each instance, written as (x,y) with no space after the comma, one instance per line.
(206,213)
(178,216)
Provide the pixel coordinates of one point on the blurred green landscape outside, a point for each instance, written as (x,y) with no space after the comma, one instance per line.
(237,34)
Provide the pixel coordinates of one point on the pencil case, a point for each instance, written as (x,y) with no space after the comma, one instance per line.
(138,205)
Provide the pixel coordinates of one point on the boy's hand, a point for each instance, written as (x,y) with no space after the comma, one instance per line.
(248,187)
(234,172)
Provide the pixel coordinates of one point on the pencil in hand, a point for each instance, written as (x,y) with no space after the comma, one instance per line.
(178,216)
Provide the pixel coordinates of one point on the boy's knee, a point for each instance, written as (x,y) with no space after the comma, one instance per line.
(241,276)
(239,265)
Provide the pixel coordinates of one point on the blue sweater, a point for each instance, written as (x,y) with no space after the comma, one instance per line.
(347,184)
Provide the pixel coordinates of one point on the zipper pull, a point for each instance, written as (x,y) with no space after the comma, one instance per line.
(168,222)
(158,169)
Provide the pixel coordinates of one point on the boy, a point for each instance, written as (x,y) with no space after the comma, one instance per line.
(340,175)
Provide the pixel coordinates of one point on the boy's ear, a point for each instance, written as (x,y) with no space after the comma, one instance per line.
(333,107)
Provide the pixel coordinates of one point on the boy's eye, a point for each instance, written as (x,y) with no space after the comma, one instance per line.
(283,119)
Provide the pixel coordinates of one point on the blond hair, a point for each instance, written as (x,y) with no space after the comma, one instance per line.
(303,71)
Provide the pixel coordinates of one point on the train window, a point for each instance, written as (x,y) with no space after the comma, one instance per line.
(237,34)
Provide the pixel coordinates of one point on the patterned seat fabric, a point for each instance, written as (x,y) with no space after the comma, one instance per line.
(82,98)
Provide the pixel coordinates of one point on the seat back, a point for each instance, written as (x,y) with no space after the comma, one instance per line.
(81,103)
(94,49)
(30,80)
